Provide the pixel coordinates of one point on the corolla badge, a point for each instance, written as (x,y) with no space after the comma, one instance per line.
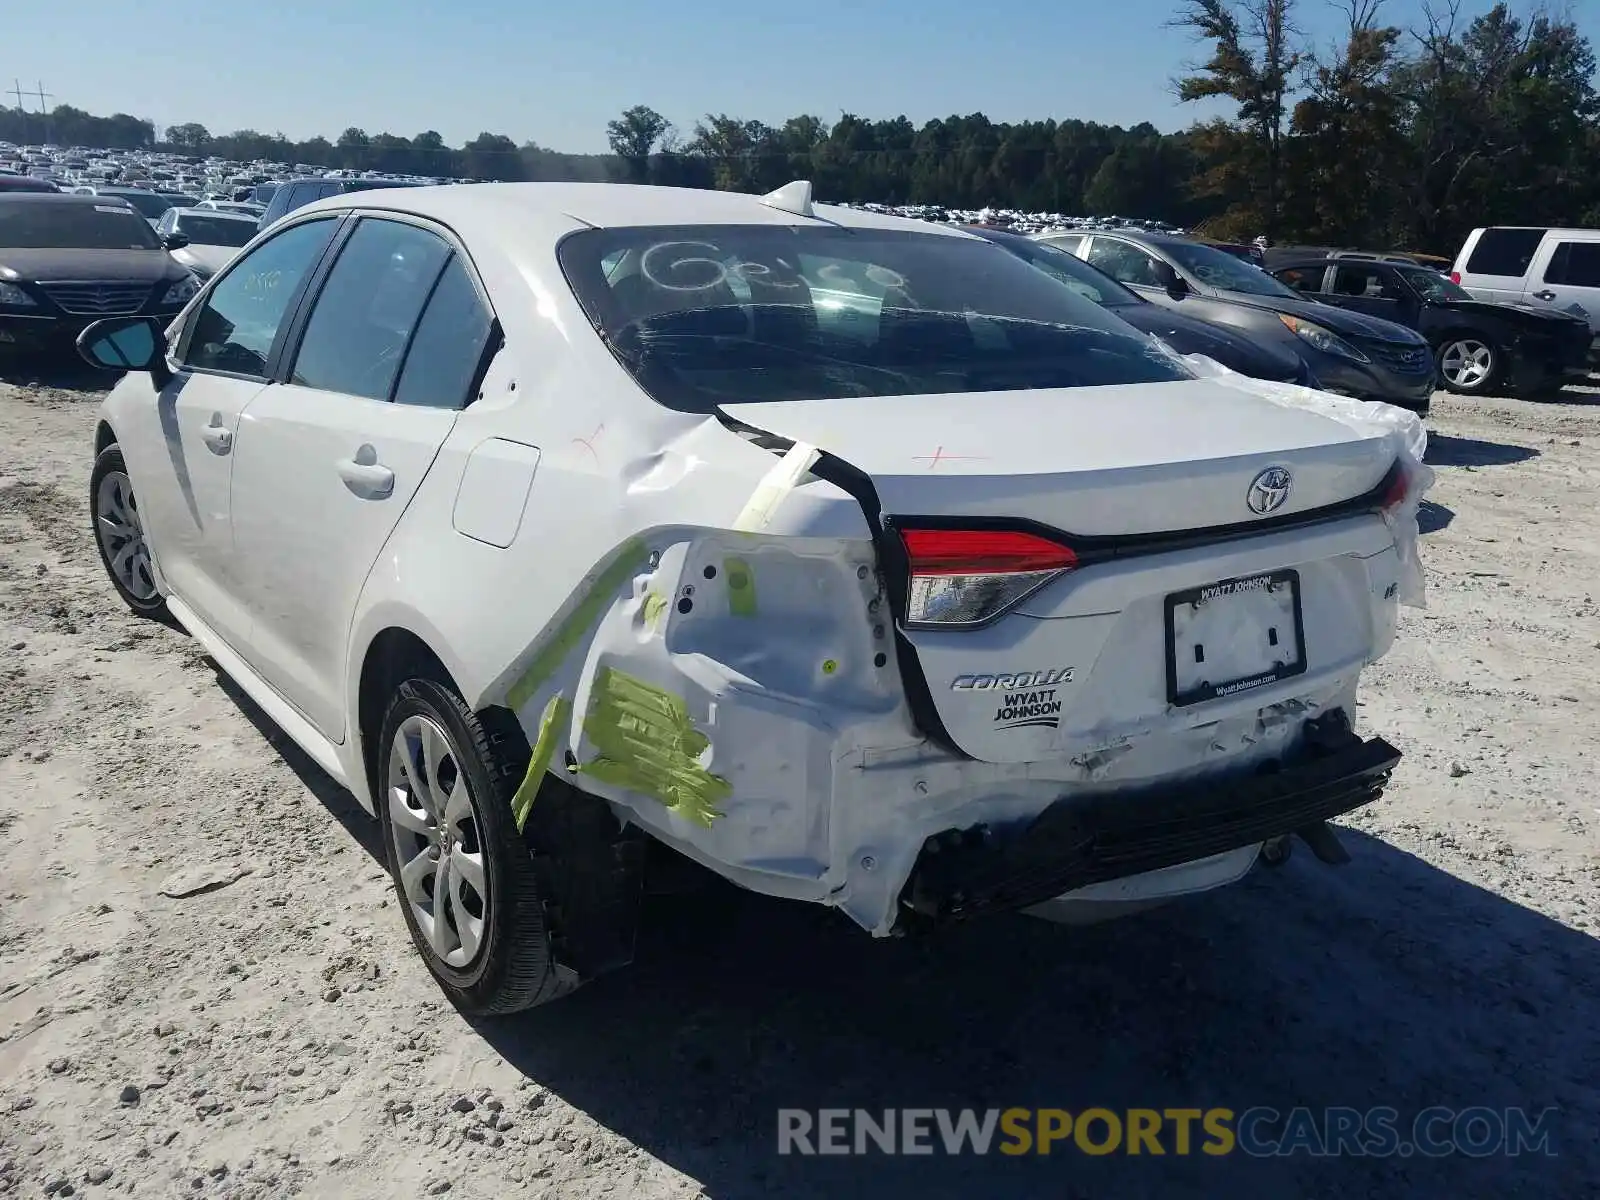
(1269,490)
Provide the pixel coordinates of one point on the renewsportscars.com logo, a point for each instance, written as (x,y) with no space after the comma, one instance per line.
(1258,1132)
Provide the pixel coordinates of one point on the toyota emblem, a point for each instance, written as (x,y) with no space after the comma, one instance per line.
(1269,490)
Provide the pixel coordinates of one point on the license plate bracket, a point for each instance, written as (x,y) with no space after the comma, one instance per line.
(1233,636)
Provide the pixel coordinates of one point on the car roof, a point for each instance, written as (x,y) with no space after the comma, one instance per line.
(992,234)
(1141,235)
(605,205)
(213,214)
(51,198)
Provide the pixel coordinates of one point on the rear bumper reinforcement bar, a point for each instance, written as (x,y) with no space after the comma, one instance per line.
(1080,841)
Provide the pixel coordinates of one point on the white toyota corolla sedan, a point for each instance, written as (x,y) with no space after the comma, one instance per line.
(845,555)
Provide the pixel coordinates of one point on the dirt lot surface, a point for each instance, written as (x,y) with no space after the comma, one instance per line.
(269,1031)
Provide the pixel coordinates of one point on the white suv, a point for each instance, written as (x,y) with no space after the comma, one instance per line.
(1535,266)
(846,555)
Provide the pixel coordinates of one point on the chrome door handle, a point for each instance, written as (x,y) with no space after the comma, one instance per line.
(366,476)
(216,436)
(1544,295)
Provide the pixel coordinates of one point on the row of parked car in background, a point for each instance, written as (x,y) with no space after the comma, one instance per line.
(1519,310)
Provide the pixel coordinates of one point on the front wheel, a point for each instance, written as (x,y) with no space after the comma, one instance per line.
(1469,365)
(119,534)
(464,878)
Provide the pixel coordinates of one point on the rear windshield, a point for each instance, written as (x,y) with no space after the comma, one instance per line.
(148,203)
(216,231)
(73,226)
(716,314)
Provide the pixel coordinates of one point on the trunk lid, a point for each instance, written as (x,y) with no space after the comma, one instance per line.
(1089,648)
(1097,462)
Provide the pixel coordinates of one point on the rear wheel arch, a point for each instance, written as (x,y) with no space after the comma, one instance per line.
(589,868)
(394,655)
(104,436)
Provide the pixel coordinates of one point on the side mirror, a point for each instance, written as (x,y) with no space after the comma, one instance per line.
(175,241)
(1171,282)
(127,344)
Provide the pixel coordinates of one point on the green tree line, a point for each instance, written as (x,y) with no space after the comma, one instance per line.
(1395,137)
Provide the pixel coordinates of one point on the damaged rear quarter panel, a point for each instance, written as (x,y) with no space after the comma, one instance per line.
(694,676)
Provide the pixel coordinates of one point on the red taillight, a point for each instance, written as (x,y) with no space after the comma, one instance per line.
(1395,493)
(1455,278)
(967,577)
(982,552)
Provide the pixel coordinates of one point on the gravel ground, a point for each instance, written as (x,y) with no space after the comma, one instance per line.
(268,1031)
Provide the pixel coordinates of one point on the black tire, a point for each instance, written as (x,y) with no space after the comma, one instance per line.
(513,967)
(1460,346)
(145,603)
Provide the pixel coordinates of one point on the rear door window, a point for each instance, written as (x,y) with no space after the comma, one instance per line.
(1576,264)
(364,316)
(1504,252)
(447,349)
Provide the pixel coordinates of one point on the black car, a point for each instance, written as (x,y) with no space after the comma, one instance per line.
(67,261)
(297,193)
(1262,359)
(1480,345)
(1352,354)
(26,183)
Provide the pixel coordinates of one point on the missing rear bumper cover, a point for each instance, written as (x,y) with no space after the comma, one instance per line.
(1078,842)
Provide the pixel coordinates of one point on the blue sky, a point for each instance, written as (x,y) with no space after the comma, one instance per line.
(555,73)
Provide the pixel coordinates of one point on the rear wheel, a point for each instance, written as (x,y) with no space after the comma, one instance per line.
(119,534)
(464,878)
(1469,364)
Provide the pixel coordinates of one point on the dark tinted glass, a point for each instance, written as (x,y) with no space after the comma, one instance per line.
(1372,283)
(448,346)
(215,231)
(42,224)
(1071,270)
(148,203)
(712,314)
(1125,263)
(235,329)
(1219,269)
(368,307)
(1301,279)
(1576,264)
(1504,252)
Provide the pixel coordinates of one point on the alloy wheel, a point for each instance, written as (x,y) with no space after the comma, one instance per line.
(121,534)
(1466,363)
(437,834)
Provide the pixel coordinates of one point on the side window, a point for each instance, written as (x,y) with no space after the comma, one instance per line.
(1576,264)
(448,346)
(168,222)
(235,329)
(1124,263)
(1367,282)
(362,320)
(1302,279)
(1504,252)
(1071,243)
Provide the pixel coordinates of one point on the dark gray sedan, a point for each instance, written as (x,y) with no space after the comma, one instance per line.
(1261,358)
(1351,353)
